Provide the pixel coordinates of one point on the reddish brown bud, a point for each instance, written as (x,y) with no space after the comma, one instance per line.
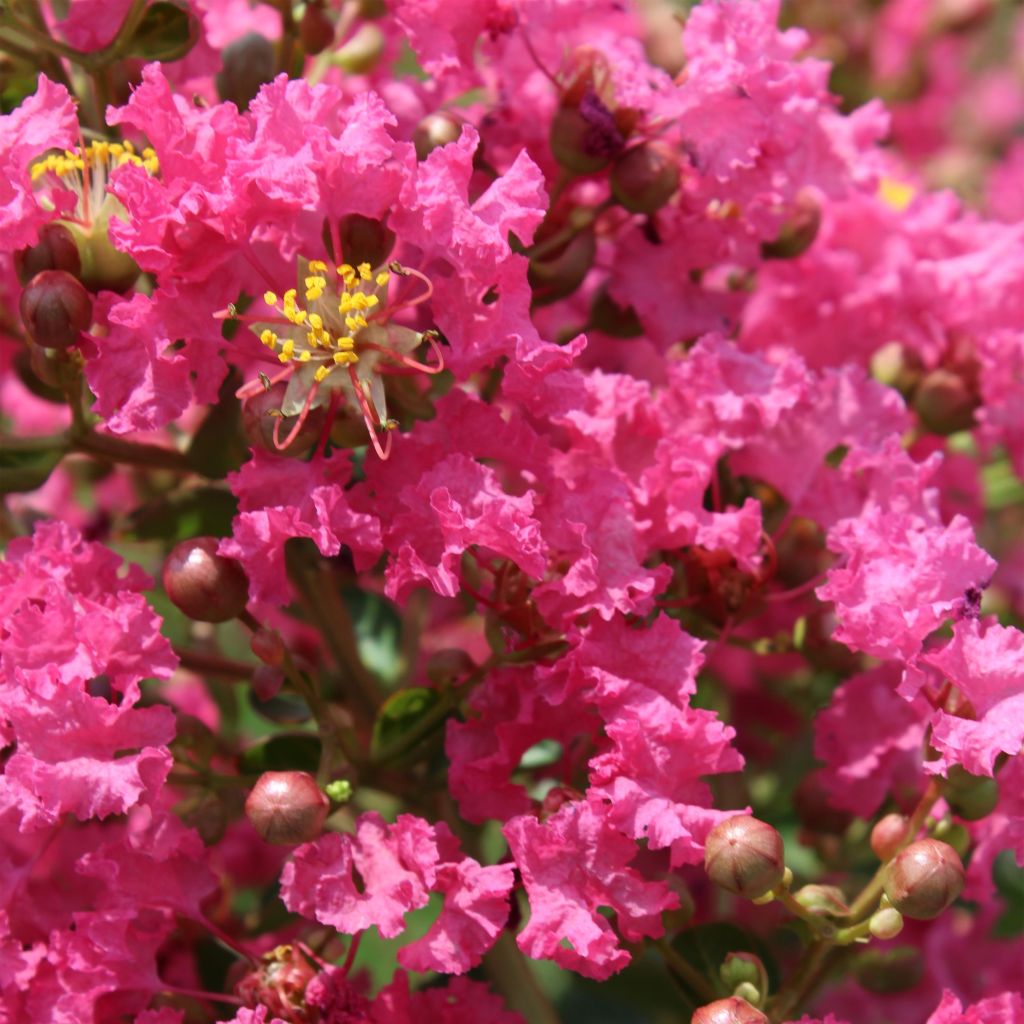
(261,415)
(888,835)
(437,129)
(247,63)
(316,30)
(268,646)
(922,880)
(206,586)
(585,138)
(799,231)
(55,250)
(645,177)
(56,309)
(944,403)
(728,1011)
(448,665)
(287,808)
(562,272)
(745,856)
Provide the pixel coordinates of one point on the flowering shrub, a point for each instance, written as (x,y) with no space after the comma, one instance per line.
(513,512)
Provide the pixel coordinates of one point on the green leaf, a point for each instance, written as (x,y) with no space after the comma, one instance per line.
(26,466)
(217,447)
(205,511)
(167,32)
(291,752)
(402,716)
(378,629)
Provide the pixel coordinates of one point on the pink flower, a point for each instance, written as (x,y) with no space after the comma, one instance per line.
(281,498)
(903,576)
(399,866)
(571,864)
(1007,1008)
(461,1001)
(43,121)
(986,664)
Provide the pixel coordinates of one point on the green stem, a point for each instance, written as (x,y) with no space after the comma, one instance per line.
(693,979)
(508,970)
(821,927)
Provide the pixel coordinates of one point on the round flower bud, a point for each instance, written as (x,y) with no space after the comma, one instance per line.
(316,30)
(261,417)
(886,923)
(268,646)
(733,1010)
(267,681)
(645,177)
(561,273)
(55,250)
(206,586)
(437,129)
(745,856)
(922,880)
(287,808)
(246,64)
(971,797)
(897,367)
(362,52)
(56,309)
(944,403)
(585,138)
(888,835)
(799,231)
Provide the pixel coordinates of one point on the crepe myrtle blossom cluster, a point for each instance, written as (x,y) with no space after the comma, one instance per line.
(513,512)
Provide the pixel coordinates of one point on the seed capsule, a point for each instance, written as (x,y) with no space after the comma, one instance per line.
(206,586)
(56,309)
(55,250)
(924,879)
(744,856)
(287,808)
(728,1011)
(645,177)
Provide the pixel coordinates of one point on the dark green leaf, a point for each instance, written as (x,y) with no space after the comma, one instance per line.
(294,752)
(402,717)
(27,467)
(205,511)
(167,32)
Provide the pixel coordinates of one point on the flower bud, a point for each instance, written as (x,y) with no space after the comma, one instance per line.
(645,177)
(744,969)
(287,808)
(261,418)
(897,366)
(446,666)
(944,403)
(888,835)
(437,129)
(55,250)
(316,30)
(953,833)
(247,64)
(970,797)
(585,138)
(362,52)
(745,856)
(922,880)
(886,923)
(733,1010)
(267,681)
(798,232)
(561,273)
(56,309)
(205,586)
(822,900)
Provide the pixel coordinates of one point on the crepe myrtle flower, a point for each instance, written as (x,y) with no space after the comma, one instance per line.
(74,184)
(336,340)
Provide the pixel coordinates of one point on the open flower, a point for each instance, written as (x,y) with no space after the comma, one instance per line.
(338,342)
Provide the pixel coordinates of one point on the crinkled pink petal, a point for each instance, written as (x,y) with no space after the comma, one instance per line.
(572,864)
(461,1001)
(46,120)
(1007,1008)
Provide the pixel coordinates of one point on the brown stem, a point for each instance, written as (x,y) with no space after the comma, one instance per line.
(133,453)
(213,664)
(691,977)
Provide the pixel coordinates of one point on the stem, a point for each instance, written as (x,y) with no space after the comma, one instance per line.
(213,664)
(694,980)
(821,927)
(505,966)
(133,453)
